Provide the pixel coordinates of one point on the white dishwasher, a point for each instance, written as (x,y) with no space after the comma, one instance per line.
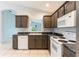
(23,42)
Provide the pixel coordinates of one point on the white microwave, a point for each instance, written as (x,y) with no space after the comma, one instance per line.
(68,20)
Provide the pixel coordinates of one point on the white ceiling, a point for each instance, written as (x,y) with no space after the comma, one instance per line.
(38,5)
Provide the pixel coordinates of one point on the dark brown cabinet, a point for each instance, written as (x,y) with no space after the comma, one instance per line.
(21,21)
(55,19)
(18,21)
(45,41)
(61,11)
(70,6)
(31,41)
(49,43)
(15,42)
(50,21)
(24,21)
(47,21)
(38,41)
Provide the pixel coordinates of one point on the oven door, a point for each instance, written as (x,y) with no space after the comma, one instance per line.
(56,49)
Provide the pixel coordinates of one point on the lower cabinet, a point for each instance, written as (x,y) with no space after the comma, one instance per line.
(15,42)
(38,41)
(31,41)
(45,41)
(49,43)
(34,42)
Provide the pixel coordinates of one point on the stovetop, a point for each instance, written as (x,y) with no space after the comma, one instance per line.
(62,40)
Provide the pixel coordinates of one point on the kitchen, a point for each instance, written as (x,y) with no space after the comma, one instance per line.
(56,32)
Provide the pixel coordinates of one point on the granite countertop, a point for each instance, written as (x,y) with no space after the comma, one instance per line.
(34,33)
(39,33)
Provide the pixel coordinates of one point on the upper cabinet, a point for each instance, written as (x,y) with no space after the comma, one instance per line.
(21,21)
(70,6)
(50,21)
(66,8)
(62,17)
(61,11)
(47,21)
(69,16)
(54,20)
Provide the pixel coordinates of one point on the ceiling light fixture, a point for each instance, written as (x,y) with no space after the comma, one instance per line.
(47,5)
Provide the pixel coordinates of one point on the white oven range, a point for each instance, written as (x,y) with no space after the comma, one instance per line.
(56,47)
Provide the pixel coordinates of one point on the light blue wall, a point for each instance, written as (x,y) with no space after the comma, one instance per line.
(8,18)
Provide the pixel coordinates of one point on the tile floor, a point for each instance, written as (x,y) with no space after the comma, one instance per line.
(9,52)
(25,53)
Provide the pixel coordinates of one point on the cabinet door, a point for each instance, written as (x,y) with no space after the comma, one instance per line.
(47,21)
(15,42)
(18,21)
(21,21)
(61,11)
(48,43)
(45,41)
(70,6)
(24,21)
(31,42)
(38,41)
(55,19)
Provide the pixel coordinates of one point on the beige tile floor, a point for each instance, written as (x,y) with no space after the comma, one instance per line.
(25,53)
(7,51)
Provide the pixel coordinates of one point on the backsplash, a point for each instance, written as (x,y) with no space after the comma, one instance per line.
(27,30)
(21,30)
(69,33)
(61,30)
(48,29)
